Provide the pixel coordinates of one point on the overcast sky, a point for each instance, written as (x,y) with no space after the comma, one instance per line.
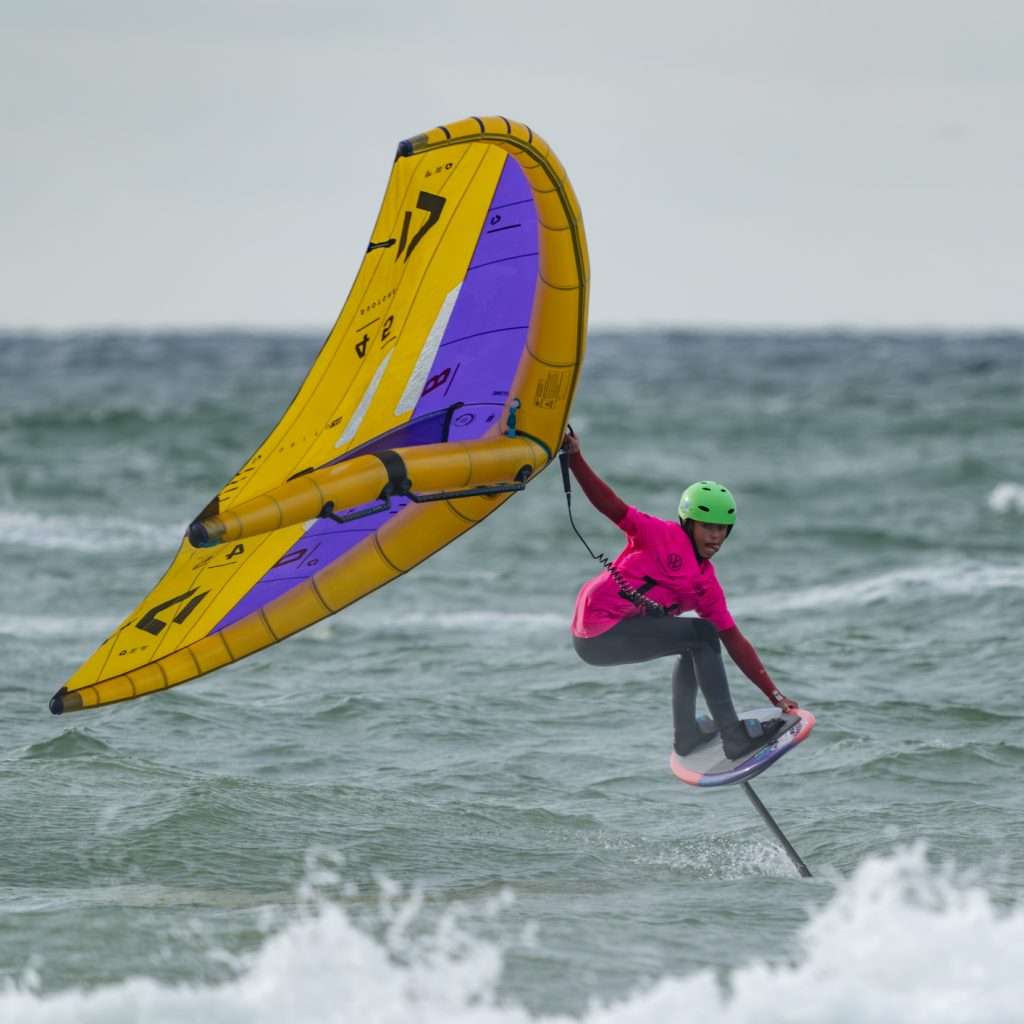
(757,162)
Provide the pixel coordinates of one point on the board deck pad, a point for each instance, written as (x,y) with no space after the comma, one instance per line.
(708,766)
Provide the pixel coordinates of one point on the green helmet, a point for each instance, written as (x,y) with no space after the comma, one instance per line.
(708,502)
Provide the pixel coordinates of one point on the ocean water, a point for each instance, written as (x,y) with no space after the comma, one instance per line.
(427,809)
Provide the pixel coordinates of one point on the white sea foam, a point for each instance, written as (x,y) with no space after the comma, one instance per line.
(899,941)
(955,579)
(44,626)
(488,621)
(81,533)
(1007,498)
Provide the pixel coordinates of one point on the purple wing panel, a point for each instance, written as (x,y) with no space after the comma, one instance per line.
(467,386)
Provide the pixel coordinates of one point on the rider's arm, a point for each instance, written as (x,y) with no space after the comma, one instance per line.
(600,495)
(741,650)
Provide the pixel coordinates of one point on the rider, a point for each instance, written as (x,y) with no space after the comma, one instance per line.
(628,614)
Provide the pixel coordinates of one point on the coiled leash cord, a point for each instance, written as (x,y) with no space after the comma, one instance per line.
(648,605)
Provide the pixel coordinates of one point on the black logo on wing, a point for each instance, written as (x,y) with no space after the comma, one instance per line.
(151,624)
(432,205)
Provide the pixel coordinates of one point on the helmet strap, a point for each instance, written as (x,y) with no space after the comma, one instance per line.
(687,525)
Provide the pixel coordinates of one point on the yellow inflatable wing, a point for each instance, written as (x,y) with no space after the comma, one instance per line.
(443,388)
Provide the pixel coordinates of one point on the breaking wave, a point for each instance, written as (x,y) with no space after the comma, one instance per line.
(902,939)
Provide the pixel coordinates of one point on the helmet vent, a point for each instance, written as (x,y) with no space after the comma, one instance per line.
(703,508)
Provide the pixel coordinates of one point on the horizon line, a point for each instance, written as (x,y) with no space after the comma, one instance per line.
(615,327)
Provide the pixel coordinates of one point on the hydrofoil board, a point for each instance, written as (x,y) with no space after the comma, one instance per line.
(708,766)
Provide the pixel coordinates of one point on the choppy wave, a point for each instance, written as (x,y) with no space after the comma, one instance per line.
(721,858)
(70,743)
(47,627)
(458,620)
(955,579)
(901,940)
(82,534)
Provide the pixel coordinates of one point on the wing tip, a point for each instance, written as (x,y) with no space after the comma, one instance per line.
(407,147)
(199,535)
(63,701)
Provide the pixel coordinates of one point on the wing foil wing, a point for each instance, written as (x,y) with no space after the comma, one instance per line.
(443,387)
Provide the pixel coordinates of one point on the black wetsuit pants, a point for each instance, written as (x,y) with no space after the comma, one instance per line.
(695,641)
